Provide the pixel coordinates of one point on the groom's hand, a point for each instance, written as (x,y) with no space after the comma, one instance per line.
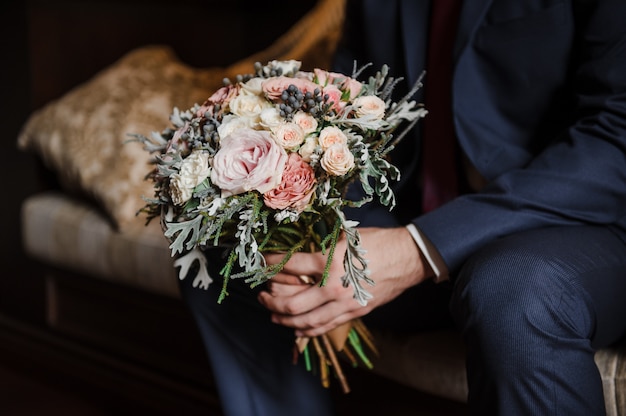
(395,264)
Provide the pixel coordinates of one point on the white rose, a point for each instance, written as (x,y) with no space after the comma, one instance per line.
(369,106)
(270,118)
(288,135)
(307,122)
(195,167)
(337,160)
(308,148)
(330,136)
(232,123)
(253,86)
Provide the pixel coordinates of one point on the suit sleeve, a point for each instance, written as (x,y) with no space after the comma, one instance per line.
(579,178)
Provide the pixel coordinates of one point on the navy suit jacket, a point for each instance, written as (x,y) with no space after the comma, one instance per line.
(539,104)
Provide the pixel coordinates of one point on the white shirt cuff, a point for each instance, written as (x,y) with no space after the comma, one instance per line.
(430,253)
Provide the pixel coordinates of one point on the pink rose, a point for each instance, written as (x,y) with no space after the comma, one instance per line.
(333,95)
(176,143)
(324,77)
(274,87)
(296,188)
(248,160)
(223,96)
(352,86)
(343,82)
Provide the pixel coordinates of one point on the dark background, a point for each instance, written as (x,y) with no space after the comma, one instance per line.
(47,48)
(34,34)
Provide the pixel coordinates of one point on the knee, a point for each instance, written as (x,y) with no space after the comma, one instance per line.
(506,291)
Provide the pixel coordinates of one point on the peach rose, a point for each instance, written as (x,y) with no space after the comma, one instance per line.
(332,135)
(337,160)
(288,135)
(248,160)
(296,188)
(307,122)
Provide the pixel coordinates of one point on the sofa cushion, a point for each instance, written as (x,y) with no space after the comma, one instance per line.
(71,234)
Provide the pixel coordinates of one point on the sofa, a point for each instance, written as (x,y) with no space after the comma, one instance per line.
(112,302)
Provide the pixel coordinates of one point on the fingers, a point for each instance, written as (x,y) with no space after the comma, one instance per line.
(312,310)
(304,264)
(277,289)
(287,279)
(321,320)
(291,301)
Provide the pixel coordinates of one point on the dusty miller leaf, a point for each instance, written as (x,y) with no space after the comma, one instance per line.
(202,278)
(185,231)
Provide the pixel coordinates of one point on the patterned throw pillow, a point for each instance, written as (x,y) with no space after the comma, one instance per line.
(83,136)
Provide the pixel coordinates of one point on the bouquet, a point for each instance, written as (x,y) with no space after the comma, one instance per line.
(264,164)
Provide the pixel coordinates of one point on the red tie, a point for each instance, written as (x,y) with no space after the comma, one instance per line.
(439,141)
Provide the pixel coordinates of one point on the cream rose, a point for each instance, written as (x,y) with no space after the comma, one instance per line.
(248,160)
(253,86)
(337,160)
(248,105)
(369,106)
(179,191)
(308,148)
(296,187)
(288,135)
(332,135)
(193,171)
